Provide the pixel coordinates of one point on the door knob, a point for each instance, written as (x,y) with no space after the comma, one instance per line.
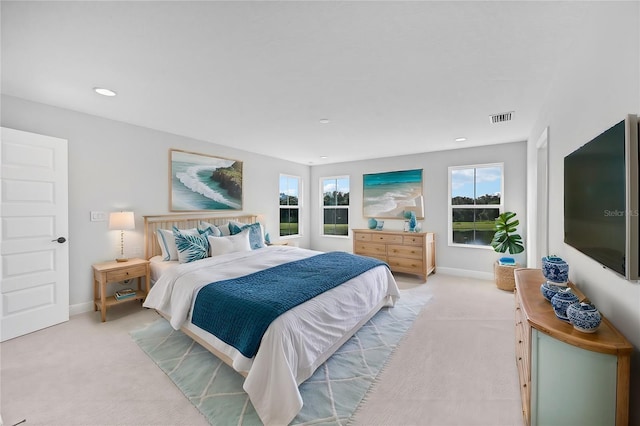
(59,240)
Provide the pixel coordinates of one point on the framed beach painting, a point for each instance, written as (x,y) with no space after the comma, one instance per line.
(203,182)
(387,195)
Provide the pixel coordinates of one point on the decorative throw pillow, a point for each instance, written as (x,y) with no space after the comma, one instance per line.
(167,242)
(229,244)
(191,247)
(211,230)
(256,236)
(203,226)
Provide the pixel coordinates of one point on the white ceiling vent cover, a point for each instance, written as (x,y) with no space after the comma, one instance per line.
(501,118)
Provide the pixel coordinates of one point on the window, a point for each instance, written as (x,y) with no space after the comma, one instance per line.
(475,202)
(289,205)
(335,205)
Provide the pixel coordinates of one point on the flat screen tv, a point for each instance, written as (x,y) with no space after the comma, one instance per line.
(601,198)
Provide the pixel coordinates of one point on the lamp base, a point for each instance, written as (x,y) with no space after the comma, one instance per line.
(122,259)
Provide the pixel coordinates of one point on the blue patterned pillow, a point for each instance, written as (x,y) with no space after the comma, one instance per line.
(191,247)
(256,239)
(211,230)
(167,242)
(206,226)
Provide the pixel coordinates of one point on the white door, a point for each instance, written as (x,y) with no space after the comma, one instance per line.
(34,292)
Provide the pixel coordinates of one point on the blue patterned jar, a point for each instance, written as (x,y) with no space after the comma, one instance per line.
(549,290)
(584,316)
(561,301)
(555,269)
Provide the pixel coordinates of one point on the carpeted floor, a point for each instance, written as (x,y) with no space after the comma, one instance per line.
(330,396)
(455,366)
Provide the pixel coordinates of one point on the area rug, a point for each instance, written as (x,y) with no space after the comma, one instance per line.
(330,396)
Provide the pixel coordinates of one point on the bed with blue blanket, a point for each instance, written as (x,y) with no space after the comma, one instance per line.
(274,314)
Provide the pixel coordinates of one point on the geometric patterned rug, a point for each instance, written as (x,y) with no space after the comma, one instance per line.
(330,396)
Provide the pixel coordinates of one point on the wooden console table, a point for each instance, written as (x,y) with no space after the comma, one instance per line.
(567,377)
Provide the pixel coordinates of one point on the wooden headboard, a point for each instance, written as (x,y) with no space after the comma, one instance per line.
(181,221)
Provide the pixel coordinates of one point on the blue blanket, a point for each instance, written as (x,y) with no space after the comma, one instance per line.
(238,311)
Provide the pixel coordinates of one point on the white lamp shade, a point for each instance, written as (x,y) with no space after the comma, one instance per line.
(122,221)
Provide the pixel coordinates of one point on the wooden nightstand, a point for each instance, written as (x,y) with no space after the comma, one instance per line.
(112,271)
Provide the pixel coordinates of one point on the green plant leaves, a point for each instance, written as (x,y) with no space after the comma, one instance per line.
(505,239)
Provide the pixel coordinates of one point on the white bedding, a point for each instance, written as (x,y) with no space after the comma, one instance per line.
(297,342)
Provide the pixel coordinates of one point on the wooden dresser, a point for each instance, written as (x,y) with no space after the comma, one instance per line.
(566,376)
(409,252)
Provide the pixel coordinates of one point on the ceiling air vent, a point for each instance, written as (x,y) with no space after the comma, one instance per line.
(501,118)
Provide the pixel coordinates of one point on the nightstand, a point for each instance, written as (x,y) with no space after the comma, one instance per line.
(112,271)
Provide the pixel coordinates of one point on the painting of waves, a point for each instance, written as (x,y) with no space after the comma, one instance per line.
(385,195)
(203,182)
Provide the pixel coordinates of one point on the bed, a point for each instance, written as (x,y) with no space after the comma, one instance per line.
(296,342)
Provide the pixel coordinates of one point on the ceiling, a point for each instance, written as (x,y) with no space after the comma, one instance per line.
(392,78)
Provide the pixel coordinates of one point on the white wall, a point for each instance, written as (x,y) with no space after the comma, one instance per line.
(597,86)
(455,260)
(117,166)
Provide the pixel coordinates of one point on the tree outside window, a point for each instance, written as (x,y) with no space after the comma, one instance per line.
(289,205)
(475,202)
(335,205)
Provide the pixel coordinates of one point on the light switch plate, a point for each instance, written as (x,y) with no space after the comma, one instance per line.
(98,216)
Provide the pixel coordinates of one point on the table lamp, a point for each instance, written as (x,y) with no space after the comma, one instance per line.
(123,221)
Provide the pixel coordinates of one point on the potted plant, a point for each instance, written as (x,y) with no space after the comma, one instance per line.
(506,239)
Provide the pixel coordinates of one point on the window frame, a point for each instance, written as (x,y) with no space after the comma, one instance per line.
(323,207)
(287,206)
(450,206)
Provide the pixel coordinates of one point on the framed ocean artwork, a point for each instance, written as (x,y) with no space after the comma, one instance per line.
(200,182)
(387,195)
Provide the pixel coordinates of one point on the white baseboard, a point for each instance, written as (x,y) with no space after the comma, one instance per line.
(80,308)
(466,273)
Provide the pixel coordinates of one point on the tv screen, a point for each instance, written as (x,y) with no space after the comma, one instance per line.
(600,219)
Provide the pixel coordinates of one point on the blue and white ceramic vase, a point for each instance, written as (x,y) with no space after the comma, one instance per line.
(549,290)
(561,301)
(372,223)
(555,270)
(584,316)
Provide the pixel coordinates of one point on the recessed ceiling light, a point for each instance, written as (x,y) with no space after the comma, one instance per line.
(461,139)
(104,92)
(324,157)
(324,120)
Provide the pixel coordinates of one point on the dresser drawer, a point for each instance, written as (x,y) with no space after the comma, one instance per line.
(401,264)
(371,249)
(411,252)
(362,237)
(413,240)
(137,271)
(387,238)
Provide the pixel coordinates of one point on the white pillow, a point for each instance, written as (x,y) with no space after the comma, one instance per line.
(229,244)
(167,242)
